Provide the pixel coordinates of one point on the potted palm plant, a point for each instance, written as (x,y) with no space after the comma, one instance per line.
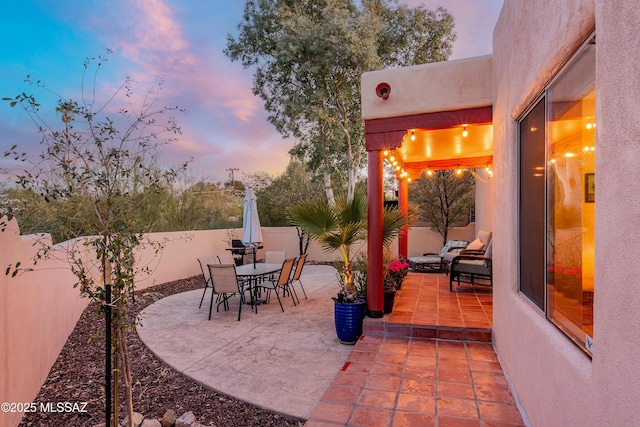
(338,227)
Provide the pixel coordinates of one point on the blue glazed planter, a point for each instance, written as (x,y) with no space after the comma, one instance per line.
(348,318)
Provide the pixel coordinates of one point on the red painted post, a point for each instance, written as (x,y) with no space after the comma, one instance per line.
(375,283)
(403,206)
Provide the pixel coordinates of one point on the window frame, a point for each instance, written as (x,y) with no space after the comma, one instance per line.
(544,98)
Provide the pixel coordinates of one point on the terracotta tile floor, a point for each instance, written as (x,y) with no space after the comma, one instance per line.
(397,375)
(425,307)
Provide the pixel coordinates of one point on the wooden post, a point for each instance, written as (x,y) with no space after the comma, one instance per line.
(375,282)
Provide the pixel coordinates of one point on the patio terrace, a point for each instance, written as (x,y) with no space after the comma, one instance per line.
(428,363)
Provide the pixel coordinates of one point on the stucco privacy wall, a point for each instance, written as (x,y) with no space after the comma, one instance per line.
(38,311)
(556,383)
(452,85)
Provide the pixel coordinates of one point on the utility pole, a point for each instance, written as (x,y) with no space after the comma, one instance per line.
(233,183)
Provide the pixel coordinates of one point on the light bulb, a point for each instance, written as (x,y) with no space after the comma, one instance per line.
(386,153)
(459,171)
(464,132)
(413,136)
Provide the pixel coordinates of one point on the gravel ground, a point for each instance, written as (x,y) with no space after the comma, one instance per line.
(78,376)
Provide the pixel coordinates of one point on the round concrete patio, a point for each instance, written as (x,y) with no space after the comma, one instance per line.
(279,361)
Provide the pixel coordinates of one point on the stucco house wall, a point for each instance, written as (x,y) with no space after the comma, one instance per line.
(459,84)
(556,383)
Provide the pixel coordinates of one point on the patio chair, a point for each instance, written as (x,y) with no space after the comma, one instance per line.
(472,269)
(435,261)
(226,259)
(477,247)
(298,272)
(224,283)
(282,283)
(230,259)
(274,257)
(205,272)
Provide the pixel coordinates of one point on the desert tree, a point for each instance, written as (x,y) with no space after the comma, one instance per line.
(444,198)
(308,56)
(97,166)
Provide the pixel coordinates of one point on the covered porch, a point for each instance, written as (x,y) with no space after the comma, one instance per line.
(422,119)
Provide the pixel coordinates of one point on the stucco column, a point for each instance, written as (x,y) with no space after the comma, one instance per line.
(403,207)
(375,288)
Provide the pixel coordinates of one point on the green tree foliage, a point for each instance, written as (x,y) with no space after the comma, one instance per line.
(94,174)
(415,35)
(276,194)
(200,206)
(308,57)
(215,206)
(444,198)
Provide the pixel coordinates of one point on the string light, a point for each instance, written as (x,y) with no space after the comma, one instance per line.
(413,136)
(464,131)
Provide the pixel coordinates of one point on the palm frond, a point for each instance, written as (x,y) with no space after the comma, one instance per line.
(315,218)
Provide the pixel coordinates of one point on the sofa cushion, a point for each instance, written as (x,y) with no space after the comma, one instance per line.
(476,245)
(452,244)
(488,253)
(469,266)
(485,236)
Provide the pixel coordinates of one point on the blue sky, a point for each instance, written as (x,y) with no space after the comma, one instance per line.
(181,42)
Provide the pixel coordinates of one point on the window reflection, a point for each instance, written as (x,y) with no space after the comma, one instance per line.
(571,148)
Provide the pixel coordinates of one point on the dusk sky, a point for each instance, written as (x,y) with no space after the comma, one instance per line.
(180,42)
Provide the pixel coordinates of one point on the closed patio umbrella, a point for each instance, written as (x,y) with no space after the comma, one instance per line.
(251,231)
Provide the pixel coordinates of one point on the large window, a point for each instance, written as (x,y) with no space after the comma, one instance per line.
(557,148)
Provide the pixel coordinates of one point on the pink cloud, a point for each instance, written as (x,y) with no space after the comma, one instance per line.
(157,30)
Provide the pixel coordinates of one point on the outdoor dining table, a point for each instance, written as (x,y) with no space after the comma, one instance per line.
(254,273)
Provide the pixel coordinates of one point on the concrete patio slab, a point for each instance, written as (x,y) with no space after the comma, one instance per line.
(280,361)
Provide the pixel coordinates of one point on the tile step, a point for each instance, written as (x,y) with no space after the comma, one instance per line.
(381,327)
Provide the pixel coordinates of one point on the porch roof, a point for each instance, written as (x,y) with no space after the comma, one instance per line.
(436,116)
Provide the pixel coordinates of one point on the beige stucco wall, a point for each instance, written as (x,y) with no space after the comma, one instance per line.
(484,200)
(452,85)
(557,384)
(38,311)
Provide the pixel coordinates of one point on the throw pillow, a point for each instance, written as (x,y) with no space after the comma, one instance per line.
(476,245)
